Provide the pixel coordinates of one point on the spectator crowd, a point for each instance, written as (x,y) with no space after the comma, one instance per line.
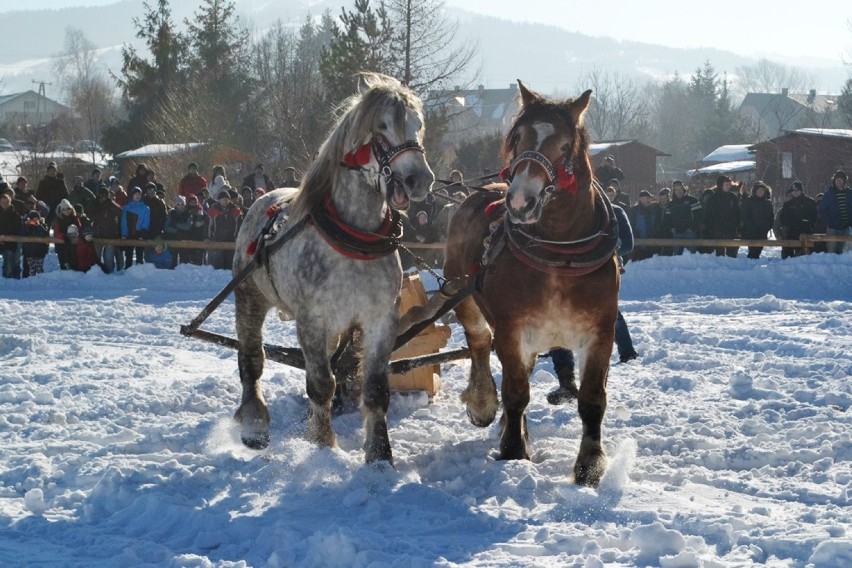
(212,211)
(97,208)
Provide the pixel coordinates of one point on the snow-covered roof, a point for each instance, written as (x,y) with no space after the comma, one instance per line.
(725,168)
(10,161)
(836,132)
(595,149)
(729,153)
(154,150)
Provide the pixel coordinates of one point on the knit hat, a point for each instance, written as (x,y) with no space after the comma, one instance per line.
(797,186)
(64,205)
(34,214)
(644,193)
(224,194)
(839,174)
(180,200)
(192,165)
(722,179)
(664,191)
(192,199)
(113,180)
(103,191)
(135,189)
(150,185)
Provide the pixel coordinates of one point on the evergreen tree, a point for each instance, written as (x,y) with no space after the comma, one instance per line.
(844,103)
(146,84)
(361,42)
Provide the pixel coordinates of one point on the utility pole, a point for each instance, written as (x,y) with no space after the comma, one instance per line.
(41,97)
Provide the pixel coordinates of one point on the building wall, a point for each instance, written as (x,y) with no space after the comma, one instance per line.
(814,160)
(23,109)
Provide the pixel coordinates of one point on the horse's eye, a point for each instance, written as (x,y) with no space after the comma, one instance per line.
(564,148)
(383,126)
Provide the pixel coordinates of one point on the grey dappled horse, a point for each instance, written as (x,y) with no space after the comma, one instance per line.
(371,165)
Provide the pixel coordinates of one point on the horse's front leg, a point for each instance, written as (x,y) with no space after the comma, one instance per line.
(480,396)
(517,366)
(317,347)
(377,341)
(591,403)
(252,415)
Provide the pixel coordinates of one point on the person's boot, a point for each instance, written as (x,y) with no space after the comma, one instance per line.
(567,387)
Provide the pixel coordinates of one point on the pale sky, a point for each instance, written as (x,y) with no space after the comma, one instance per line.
(748,27)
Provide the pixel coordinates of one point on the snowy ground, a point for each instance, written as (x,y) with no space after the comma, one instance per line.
(729,440)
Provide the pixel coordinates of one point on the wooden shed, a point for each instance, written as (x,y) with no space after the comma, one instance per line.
(811,155)
(638,162)
(170,161)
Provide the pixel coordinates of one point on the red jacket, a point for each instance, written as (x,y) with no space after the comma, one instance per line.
(191,185)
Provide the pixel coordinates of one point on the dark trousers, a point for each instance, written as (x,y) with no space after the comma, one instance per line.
(128,256)
(754,252)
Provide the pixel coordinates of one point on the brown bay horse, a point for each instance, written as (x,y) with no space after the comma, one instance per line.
(542,249)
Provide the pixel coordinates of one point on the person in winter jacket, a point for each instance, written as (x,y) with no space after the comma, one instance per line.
(118,194)
(191,183)
(836,210)
(178,225)
(106,224)
(135,222)
(757,215)
(66,226)
(35,253)
(86,255)
(258,179)
(94,181)
(158,209)
(140,178)
(51,189)
(80,194)
(216,186)
(225,219)
(199,230)
(643,220)
(683,217)
(722,214)
(160,255)
(10,224)
(797,217)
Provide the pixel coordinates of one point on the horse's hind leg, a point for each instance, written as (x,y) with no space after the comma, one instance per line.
(252,415)
(517,367)
(480,396)
(591,460)
(377,341)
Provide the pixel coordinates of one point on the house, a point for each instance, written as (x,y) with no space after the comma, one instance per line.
(638,162)
(735,160)
(770,114)
(29,108)
(810,155)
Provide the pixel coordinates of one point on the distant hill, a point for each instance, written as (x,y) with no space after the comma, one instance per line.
(508,50)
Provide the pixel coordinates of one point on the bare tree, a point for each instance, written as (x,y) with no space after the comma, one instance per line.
(619,106)
(89,92)
(429,55)
(769,77)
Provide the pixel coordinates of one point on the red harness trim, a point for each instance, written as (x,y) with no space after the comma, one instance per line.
(359,158)
(565,181)
(380,234)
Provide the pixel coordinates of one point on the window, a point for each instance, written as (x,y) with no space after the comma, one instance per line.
(786,165)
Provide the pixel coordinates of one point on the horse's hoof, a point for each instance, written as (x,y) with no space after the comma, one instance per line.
(256,442)
(513,454)
(588,472)
(479,421)
(561,395)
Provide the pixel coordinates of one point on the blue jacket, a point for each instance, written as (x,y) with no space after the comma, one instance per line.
(162,260)
(135,220)
(829,208)
(625,232)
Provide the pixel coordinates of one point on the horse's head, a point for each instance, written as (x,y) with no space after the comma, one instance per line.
(545,145)
(390,133)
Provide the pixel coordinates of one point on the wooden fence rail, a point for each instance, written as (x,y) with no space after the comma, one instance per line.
(806,242)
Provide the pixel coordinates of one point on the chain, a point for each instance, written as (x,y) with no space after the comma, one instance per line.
(423,265)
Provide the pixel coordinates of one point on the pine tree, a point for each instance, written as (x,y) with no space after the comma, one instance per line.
(360,43)
(146,84)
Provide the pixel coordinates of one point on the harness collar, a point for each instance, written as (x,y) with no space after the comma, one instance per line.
(354,243)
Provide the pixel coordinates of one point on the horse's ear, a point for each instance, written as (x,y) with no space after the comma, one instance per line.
(363,83)
(579,106)
(527,97)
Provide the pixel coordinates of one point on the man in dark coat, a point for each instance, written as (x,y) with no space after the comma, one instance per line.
(80,195)
(158,210)
(10,224)
(608,171)
(836,210)
(757,215)
(106,224)
(178,224)
(643,220)
(258,179)
(94,182)
(225,218)
(51,189)
(797,217)
(722,214)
